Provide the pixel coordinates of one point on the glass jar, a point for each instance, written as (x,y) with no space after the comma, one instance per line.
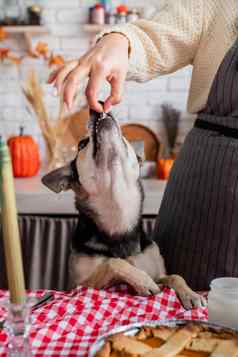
(34,15)
(14,12)
(98,14)
(223,302)
(133,15)
(34,12)
(121,18)
(110,18)
(122,11)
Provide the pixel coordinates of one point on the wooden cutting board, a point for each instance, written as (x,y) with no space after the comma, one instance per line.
(77,127)
(134,132)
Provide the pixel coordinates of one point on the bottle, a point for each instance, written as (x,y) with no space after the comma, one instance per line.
(110,18)
(90,12)
(107,5)
(133,15)
(222,302)
(34,15)
(14,12)
(98,14)
(122,11)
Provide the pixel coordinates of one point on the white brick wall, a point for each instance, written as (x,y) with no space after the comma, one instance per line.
(64,19)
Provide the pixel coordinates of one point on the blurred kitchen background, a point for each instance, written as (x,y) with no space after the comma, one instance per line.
(65,32)
(35,38)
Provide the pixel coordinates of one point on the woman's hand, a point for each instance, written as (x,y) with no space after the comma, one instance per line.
(107,60)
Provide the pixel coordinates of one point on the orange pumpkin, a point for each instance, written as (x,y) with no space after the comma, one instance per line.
(25,155)
(164,167)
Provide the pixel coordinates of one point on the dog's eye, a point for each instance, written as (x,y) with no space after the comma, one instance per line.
(83,143)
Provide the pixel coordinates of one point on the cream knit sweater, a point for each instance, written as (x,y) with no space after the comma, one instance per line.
(196,32)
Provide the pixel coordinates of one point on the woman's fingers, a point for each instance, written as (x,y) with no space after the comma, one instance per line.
(97,77)
(117,84)
(71,83)
(63,74)
(53,75)
(67,80)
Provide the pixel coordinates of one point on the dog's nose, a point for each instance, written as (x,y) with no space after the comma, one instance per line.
(106,123)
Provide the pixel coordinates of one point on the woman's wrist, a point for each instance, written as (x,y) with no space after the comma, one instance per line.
(119,37)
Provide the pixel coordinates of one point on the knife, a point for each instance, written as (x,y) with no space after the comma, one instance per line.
(40,302)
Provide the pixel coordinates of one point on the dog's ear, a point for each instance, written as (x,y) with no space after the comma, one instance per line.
(139,148)
(59,179)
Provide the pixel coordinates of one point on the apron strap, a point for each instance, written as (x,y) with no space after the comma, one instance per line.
(219,129)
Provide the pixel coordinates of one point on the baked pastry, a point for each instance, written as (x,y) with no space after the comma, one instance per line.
(192,339)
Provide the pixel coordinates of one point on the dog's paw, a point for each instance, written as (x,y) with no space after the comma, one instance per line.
(191,299)
(145,286)
(140,281)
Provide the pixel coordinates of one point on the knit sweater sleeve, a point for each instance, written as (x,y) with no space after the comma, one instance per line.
(165,43)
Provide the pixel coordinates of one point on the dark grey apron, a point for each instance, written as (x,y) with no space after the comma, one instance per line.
(197,225)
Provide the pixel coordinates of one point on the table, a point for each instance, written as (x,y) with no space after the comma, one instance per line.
(34,198)
(72,322)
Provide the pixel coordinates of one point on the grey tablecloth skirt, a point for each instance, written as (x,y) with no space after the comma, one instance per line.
(46,248)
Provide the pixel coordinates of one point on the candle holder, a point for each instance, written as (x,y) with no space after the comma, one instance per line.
(17,326)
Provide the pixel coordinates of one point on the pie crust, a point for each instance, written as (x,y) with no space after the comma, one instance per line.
(191,340)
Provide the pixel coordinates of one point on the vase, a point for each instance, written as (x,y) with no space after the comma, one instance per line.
(61,155)
(164,167)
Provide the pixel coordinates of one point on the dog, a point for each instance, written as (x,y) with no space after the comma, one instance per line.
(109,245)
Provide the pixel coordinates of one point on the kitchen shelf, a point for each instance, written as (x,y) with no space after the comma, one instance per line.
(27,32)
(25,29)
(94,28)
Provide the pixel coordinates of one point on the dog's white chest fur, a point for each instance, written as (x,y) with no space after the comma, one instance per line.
(118,208)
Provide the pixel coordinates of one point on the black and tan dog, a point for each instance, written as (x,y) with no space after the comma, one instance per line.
(109,245)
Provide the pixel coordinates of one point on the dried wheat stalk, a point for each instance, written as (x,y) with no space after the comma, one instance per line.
(171,121)
(52,130)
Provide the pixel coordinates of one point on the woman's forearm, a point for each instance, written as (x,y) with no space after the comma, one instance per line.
(166,43)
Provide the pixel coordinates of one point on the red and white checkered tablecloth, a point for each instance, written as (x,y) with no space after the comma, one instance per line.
(71,323)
